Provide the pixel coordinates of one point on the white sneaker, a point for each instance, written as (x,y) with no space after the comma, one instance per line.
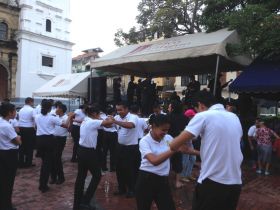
(266,173)
(258,171)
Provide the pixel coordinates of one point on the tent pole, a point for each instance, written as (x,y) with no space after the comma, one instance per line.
(216,74)
(69,103)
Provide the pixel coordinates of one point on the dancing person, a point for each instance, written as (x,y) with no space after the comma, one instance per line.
(9,143)
(127,148)
(220,160)
(27,132)
(60,136)
(75,132)
(88,157)
(45,124)
(152,182)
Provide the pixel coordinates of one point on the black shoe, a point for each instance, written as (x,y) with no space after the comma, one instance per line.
(119,193)
(112,169)
(84,206)
(53,181)
(130,195)
(44,189)
(60,181)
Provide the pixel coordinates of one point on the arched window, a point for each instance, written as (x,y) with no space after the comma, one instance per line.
(48,25)
(3,31)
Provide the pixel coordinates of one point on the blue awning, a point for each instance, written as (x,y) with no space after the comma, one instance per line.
(258,78)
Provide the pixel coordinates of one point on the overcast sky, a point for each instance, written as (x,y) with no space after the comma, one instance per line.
(94,22)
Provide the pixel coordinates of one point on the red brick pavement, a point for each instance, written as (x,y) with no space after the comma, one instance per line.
(258,193)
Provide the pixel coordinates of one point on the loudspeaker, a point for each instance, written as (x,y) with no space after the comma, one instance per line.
(97,90)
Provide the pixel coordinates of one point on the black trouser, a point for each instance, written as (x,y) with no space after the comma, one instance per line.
(28,137)
(151,187)
(8,168)
(87,161)
(45,146)
(100,150)
(76,137)
(57,167)
(110,140)
(126,167)
(211,195)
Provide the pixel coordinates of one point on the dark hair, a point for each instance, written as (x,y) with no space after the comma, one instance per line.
(160,119)
(46,107)
(91,109)
(62,107)
(52,101)
(43,101)
(57,103)
(6,108)
(177,107)
(205,97)
(134,108)
(156,105)
(122,103)
(29,100)
(110,110)
(83,106)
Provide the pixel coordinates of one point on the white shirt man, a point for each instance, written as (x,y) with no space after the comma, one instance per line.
(26,116)
(220,153)
(127,150)
(127,136)
(27,132)
(89,132)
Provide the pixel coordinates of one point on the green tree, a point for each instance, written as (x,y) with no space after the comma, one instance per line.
(162,18)
(257,22)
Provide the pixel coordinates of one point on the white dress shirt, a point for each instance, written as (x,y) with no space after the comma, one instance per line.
(252,131)
(142,125)
(220,151)
(7,134)
(46,124)
(60,131)
(26,117)
(89,131)
(79,116)
(148,145)
(127,136)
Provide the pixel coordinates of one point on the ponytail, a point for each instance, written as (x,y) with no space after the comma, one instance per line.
(46,107)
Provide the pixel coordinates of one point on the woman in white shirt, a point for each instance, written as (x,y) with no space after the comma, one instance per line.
(75,131)
(88,157)
(60,136)
(45,124)
(152,183)
(9,142)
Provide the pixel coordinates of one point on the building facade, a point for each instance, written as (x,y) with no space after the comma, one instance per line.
(82,63)
(9,17)
(44,47)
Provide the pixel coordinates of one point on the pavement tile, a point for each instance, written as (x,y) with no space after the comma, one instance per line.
(259,192)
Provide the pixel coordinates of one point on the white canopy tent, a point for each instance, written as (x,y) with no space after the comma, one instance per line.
(65,86)
(183,55)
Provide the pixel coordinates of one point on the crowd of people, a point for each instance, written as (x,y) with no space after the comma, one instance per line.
(143,150)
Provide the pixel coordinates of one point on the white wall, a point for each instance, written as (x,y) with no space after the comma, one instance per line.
(34,42)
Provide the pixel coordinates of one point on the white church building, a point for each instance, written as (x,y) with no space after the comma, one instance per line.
(44,47)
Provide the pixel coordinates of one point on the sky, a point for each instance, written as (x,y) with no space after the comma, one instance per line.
(94,23)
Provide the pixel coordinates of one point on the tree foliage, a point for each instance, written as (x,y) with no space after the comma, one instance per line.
(257,22)
(162,18)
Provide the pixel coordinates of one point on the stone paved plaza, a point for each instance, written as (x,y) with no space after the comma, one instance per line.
(259,192)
